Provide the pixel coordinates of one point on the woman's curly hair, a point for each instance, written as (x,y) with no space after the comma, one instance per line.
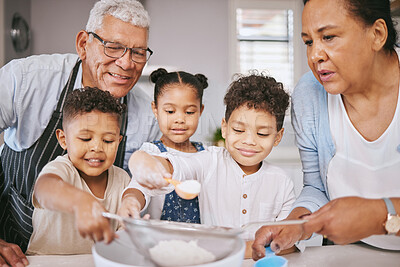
(260,92)
(85,100)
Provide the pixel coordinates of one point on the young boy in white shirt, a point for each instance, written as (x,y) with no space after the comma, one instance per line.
(238,185)
(73,190)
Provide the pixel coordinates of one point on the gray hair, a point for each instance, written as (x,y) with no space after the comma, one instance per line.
(131,11)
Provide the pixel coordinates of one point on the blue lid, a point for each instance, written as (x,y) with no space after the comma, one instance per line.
(271,260)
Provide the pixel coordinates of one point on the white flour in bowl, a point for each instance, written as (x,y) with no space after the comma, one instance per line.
(180,253)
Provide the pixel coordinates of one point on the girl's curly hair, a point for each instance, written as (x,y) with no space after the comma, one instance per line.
(85,100)
(260,92)
(162,79)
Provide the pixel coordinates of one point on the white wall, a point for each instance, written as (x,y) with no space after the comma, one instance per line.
(55,24)
(193,36)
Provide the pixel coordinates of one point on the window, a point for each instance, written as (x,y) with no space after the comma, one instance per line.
(264,39)
(265,42)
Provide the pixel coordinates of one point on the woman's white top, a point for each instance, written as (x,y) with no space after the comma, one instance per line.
(363,168)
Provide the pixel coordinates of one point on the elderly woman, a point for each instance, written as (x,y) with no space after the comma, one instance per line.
(347,122)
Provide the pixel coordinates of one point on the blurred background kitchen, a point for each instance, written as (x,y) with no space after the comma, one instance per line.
(215,37)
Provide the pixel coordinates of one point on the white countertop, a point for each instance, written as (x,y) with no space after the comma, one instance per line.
(326,256)
(341,256)
(84,260)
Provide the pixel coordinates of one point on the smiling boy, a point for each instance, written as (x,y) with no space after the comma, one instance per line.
(238,185)
(73,190)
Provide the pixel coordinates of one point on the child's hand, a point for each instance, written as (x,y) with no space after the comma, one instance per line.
(130,207)
(90,222)
(148,170)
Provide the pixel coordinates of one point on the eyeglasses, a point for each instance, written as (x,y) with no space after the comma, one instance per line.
(116,50)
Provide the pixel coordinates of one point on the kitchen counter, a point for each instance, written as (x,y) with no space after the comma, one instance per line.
(84,260)
(359,255)
(327,256)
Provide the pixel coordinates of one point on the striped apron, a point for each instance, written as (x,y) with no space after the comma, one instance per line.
(19,170)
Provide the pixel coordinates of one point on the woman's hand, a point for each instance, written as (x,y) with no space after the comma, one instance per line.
(11,254)
(90,221)
(149,170)
(348,219)
(279,238)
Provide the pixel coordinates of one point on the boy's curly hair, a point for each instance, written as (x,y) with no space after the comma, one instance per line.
(260,92)
(85,100)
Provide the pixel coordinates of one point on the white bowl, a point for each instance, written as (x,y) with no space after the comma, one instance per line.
(123,254)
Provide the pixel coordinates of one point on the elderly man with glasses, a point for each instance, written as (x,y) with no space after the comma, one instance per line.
(112,52)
